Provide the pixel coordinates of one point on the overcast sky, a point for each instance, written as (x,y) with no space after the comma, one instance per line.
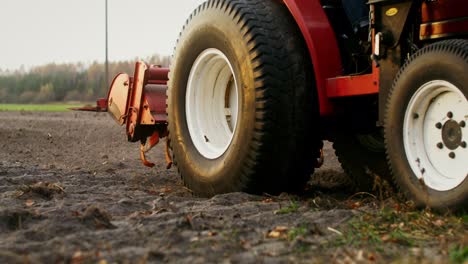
(36,32)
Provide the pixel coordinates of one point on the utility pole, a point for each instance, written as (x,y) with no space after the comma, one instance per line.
(107,52)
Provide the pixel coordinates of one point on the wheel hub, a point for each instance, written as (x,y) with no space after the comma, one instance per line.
(433,136)
(452,134)
(212,103)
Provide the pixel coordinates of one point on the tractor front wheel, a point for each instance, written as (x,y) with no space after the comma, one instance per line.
(425,126)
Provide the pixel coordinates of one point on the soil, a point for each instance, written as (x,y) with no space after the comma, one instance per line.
(73,190)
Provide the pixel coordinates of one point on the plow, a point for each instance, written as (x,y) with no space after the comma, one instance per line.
(256,86)
(138,102)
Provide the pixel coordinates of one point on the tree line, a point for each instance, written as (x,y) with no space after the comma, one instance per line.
(65,82)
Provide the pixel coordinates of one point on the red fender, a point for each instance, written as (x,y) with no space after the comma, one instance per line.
(321,41)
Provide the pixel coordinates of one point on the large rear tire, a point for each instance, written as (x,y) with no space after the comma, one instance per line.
(425,126)
(362,157)
(242,108)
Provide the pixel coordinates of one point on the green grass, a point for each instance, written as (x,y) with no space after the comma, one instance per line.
(458,254)
(405,228)
(292,208)
(59,107)
(297,231)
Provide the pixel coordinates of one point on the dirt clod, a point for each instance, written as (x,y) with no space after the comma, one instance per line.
(46,190)
(96,218)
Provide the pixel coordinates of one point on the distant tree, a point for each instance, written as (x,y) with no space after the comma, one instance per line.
(26,97)
(46,94)
(3,95)
(64,82)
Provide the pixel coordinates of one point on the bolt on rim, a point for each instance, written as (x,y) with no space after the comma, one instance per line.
(212,103)
(434,135)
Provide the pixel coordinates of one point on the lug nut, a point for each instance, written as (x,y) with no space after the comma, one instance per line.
(462,124)
(452,155)
(439,125)
(440,145)
(463,144)
(449,114)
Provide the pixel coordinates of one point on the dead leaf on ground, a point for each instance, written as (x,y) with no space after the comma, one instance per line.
(166,189)
(355,205)
(80,257)
(77,257)
(278,232)
(142,214)
(439,223)
(386,238)
(209,233)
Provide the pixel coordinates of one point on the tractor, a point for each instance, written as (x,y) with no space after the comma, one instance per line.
(256,86)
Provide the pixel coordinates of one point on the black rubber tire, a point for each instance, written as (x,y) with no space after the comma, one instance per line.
(275,148)
(445,60)
(362,160)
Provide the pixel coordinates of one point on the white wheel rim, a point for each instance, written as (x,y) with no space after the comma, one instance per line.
(212,103)
(436,116)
